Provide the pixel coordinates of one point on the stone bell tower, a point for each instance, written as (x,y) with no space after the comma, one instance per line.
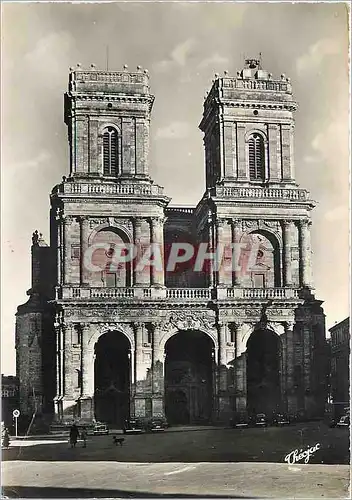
(108,119)
(108,199)
(253,202)
(248,129)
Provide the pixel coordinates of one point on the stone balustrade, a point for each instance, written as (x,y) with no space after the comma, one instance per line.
(260,192)
(262,293)
(108,189)
(183,294)
(111,293)
(188,293)
(136,77)
(179,210)
(253,84)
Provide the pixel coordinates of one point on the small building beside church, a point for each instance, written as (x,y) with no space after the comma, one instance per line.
(9,398)
(340,366)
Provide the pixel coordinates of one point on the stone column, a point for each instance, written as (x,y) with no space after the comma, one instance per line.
(241,370)
(57,399)
(210,264)
(229,150)
(66,247)
(305,252)
(140,372)
(219,261)
(286,151)
(158,372)
(289,367)
(84,233)
(287,228)
(63,335)
(157,239)
(143,375)
(242,172)
(236,253)
(137,229)
(87,374)
(272,138)
(222,368)
(67,362)
(69,399)
(59,249)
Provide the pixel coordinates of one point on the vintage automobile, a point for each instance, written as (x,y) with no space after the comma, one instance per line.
(260,420)
(97,429)
(280,419)
(344,421)
(240,421)
(133,426)
(156,425)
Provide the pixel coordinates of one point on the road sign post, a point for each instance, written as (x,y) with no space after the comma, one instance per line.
(16,414)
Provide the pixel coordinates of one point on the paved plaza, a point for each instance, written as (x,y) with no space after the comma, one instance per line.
(117,479)
(234,463)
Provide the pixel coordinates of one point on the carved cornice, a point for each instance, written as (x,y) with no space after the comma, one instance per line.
(152,200)
(256,105)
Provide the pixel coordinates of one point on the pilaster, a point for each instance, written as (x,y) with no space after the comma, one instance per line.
(66,246)
(236,252)
(157,240)
(241,368)
(241,152)
(87,373)
(220,244)
(84,234)
(158,372)
(305,252)
(289,368)
(272,138)
(287,233)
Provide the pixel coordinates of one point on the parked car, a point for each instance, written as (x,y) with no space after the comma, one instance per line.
(98,429)
(280,419)
(344,421)
(156,425)
(240,421)
(260,420)
(133,426)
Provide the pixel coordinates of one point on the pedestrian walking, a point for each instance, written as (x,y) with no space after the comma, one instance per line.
(6,439)
(74,435)
(84,437)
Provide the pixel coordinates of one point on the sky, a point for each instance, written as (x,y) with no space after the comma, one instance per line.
(182,45)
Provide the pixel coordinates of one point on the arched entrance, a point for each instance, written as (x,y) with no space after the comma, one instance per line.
(263,372)
(189,378)
(112,378)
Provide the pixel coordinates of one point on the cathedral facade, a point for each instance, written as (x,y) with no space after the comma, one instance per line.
(107,337)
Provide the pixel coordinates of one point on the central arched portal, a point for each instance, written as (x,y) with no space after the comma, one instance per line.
(189,378)
(112,378)
(263,372)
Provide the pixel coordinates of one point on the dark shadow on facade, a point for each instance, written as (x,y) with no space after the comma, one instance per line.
(263,372)
(112,378)
(189,378)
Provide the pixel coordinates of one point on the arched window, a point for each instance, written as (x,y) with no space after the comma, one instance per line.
(110,152)
(256,155)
